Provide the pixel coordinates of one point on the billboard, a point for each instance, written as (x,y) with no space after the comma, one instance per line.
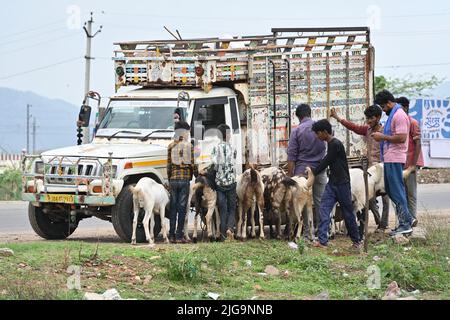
(434,118)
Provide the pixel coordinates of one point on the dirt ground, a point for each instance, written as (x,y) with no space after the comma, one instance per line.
(433,176)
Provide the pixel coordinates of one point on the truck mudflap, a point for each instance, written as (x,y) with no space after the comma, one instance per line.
(69,199)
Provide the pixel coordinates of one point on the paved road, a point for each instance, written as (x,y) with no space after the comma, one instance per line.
(14,217)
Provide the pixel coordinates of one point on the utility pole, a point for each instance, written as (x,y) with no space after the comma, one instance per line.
(28,128)
(34,135)
(89,36)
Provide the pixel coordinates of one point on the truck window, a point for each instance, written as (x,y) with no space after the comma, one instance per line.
(208,114)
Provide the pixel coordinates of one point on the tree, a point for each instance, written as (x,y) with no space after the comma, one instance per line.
(408,86)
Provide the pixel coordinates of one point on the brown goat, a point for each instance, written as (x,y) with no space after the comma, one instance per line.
(250,193)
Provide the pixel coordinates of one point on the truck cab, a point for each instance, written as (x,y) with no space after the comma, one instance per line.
(131,140)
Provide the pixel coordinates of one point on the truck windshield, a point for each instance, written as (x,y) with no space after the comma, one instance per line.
(126,114)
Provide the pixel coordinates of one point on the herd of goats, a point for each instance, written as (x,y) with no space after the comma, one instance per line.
(276,197)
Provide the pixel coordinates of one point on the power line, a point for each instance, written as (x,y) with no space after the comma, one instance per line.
(39,43)
(32,29)
(40,68)
(34,36)
(157,16)
(415,65)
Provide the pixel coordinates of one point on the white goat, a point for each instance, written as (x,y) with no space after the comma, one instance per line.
(299,195)
(153,197)
(375,186)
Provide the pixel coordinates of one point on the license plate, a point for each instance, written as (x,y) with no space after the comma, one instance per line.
(59,198)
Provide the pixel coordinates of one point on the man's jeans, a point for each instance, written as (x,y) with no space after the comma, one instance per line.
(395,188)
(373,206)
(179,192)
(411,193)
(226,198)
(342,194)
(320,181)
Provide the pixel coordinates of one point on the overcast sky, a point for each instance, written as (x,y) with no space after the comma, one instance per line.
(43,45)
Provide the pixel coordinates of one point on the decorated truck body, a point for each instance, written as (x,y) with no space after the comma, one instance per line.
(251,83)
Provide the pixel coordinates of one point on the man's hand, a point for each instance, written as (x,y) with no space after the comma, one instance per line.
(412,168)
(334,114)
(378,136)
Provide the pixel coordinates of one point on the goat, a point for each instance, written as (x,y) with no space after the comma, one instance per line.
(299,195)
(203,194)
(375,185)
(153,197)
(250,193)
(274,197)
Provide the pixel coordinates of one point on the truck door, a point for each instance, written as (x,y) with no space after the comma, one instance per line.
(207,115)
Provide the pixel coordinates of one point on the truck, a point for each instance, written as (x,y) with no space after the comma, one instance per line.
(250,83)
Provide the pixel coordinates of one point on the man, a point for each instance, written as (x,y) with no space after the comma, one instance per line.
(414,160)
(224,159)
(180,169)
(394,147)
(306,150)
(338,187)
(373,116)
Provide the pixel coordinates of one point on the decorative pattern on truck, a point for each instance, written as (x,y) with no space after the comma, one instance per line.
(338,81)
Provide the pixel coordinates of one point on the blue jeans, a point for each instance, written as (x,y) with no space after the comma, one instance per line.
(226,198)
(395,188)
(342,194)
(179,192)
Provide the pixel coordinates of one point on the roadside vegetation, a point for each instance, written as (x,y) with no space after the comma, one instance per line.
(234,270)
(10,184)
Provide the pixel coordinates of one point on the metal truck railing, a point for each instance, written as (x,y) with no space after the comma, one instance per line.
(63,172)
(201,62)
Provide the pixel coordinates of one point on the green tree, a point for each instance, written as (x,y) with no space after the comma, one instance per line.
(408,85)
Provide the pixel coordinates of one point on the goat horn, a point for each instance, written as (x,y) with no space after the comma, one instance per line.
(310,180)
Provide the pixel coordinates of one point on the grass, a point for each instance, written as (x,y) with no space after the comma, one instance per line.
(38,270)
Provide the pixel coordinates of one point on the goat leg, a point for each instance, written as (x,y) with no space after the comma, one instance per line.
(163,224)
(136,209)
(217,223)
(239,224)
(252,217)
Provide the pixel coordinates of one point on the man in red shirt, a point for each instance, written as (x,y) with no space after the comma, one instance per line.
(414,160)
(373,116)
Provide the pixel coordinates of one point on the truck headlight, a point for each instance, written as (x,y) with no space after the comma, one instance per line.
(39,167)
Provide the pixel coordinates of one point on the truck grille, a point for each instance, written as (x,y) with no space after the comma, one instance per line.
(67,170)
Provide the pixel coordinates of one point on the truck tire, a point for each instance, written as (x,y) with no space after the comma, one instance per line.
(122,218)
(45,227)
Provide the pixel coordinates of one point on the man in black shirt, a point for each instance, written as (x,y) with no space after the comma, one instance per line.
(338,187)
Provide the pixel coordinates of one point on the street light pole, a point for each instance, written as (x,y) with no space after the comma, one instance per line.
(89,36)
(28,128)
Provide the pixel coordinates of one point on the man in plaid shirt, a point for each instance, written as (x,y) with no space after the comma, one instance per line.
(180,169)
(224,158)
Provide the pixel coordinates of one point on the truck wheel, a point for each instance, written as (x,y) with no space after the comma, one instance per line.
(45,227)
(122,218)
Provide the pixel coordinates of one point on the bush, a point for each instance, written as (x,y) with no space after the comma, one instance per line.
(10,184)
(183,267)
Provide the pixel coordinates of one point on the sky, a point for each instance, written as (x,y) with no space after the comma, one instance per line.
(42,43)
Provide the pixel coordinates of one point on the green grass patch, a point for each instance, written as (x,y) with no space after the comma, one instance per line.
(39,270)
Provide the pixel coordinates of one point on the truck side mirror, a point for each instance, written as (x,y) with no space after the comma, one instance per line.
(85,115)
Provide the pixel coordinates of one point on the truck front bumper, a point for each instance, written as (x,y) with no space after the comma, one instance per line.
(69,199)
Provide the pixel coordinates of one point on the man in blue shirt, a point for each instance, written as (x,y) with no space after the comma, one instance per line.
(306,150)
